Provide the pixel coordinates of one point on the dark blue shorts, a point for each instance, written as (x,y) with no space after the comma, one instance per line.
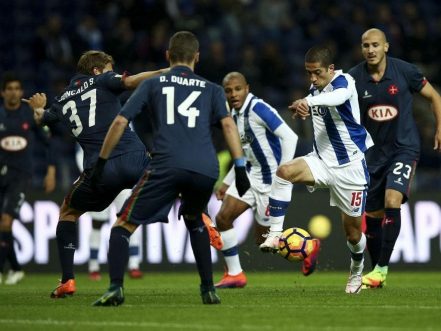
(120,172)
(13,185)
(156,192)
(396,175)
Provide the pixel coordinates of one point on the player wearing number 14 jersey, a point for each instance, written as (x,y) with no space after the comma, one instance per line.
(183,107)
(88,106)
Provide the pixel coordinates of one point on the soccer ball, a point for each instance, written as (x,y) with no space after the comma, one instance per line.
(295,244)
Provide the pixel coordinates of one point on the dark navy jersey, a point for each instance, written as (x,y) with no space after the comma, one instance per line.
(182,107)
(386,109)
(88,107)
(17,133)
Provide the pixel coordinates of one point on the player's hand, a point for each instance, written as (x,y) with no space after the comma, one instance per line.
(38,100)
(220,192)
(300,109)
(96,174)
(242,181)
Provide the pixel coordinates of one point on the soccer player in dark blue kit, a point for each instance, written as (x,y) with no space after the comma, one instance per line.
(17,131)
(385,86)
(88,106)
(182,107)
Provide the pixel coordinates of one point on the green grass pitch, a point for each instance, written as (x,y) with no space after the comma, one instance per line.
(271,301)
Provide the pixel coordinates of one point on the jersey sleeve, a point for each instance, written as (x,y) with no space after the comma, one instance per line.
(267,115)
(112,81)
(414,77)
(220,105)
(50,115)
(137,101)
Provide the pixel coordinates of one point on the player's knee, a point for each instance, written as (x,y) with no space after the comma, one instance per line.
(353,237)
(393,202)
(284,171)
(223,222)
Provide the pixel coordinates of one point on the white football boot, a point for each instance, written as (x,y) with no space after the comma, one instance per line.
(354,283)
(14,277)
(271,243)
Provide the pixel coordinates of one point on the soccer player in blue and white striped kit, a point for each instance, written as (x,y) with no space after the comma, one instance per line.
(337,161)
(267,141)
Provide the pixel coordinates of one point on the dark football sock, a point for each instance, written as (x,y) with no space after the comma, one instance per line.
(118,255)
(12,257)
(374,238)
(6,242)
(200,242)
(391,230)
(67,243)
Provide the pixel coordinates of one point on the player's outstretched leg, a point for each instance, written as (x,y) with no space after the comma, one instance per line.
(310,262)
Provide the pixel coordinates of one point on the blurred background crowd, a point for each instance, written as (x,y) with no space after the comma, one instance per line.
(264,39)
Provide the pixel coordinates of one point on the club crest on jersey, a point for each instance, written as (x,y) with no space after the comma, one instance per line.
(319,111)
(246,139)
(392,89)
(382,113)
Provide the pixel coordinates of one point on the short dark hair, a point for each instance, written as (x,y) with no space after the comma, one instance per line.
(93,59)
(9,77)
(320,54)
(182,47)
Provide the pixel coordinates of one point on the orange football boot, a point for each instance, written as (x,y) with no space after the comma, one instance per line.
(229,281)
(215,237)
(310,262)
(64,289)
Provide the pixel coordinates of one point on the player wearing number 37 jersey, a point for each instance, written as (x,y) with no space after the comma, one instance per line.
(88,106)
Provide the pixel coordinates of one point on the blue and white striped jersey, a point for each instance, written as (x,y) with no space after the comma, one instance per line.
(339,137)
(266,139)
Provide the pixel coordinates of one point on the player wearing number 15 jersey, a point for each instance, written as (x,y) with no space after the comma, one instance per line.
(337,161)
(88,106)
(183,106)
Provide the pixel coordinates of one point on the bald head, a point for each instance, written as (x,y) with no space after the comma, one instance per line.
(374,33)
(236,89)
(374,47)
(234,75)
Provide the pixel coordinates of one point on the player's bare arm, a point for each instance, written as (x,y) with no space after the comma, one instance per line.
(132,81)
(232,137)
(434,98)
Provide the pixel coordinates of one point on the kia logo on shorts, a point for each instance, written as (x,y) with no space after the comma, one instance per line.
(13,143)
(381,113)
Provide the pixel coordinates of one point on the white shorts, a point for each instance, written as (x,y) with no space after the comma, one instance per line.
(257,197)
(347,183)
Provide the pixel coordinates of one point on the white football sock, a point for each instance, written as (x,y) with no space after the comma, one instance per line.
(230,242)
(357,266)
(281,192)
